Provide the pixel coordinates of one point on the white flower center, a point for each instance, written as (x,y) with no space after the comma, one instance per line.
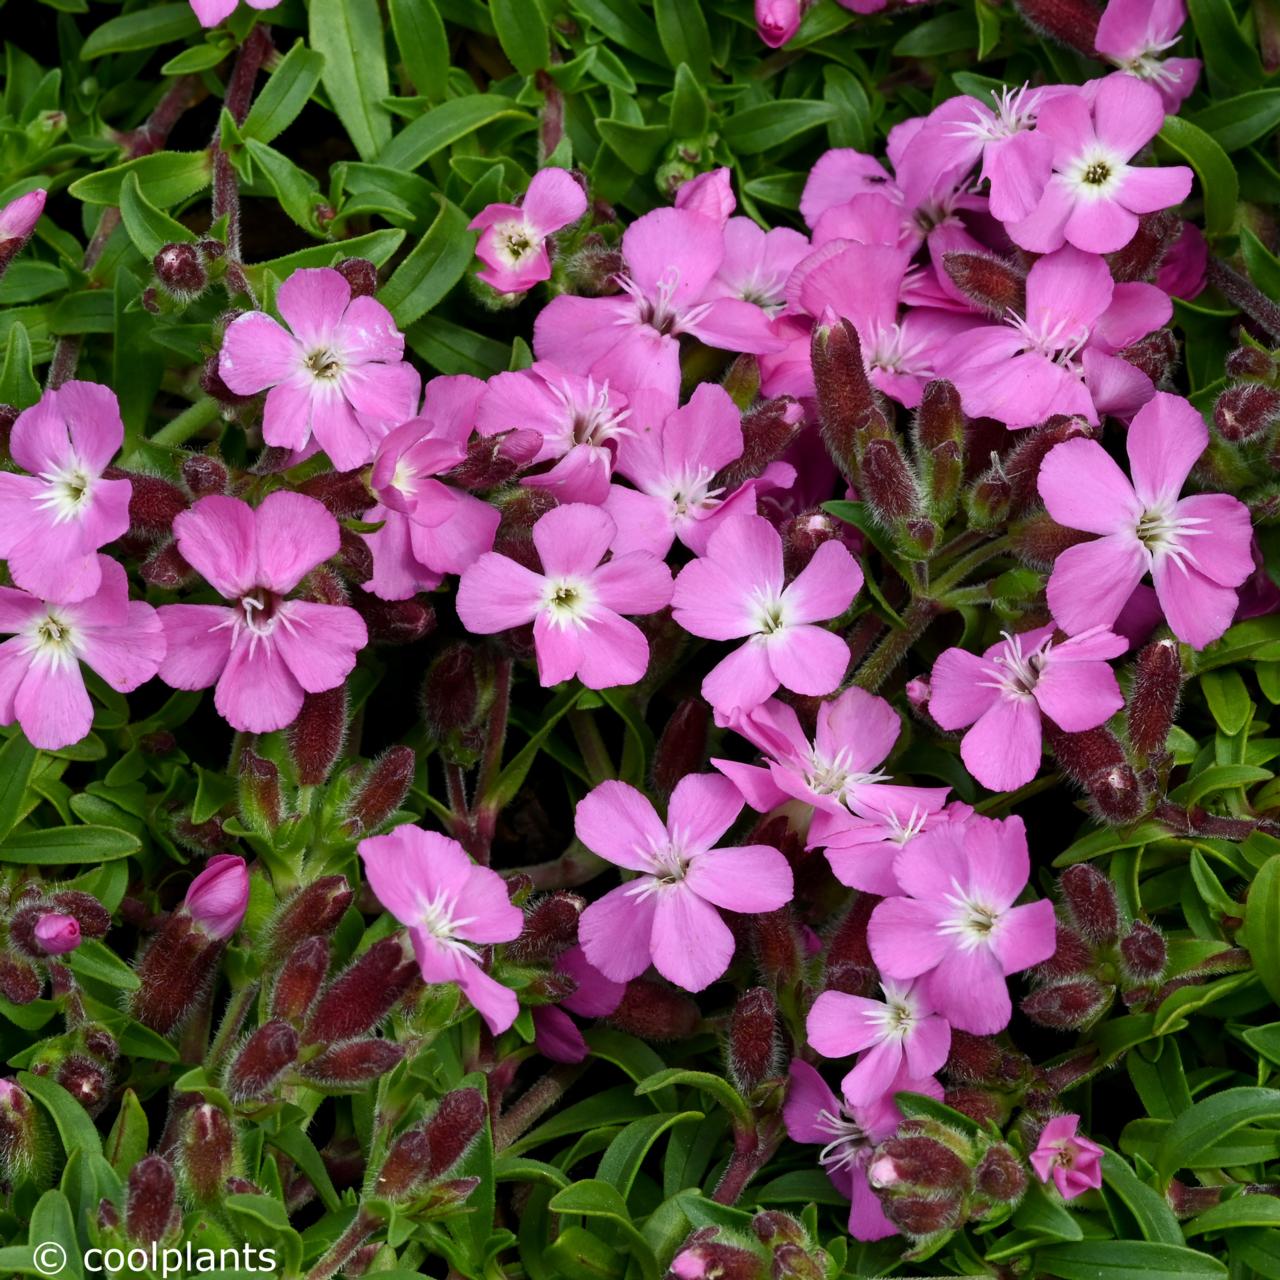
(834,777)
(1016,673)
(52,640)
(974,922)
(68,490)
(660,311)
(1015,111)
(891,350)
(1096,173)
(1053,341)
(589,416)
(692,491)
(324,363)
(436,918)
(568,601)
(849,1143)
(514,240)
(899,1014)
(1163,532)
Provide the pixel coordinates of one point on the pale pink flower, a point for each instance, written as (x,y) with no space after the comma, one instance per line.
(513,243)
(957,927)
(18,220)
(53,521)
(218,897)
(1197,549)
(899,1035)
(41,684)
(429,528)
(1073,1161)
(451,908)
(337,374)
(710,194)
(758,263)
(737,590)
(667,915)
(264,651)
(672,257)
(841,175)
(56,934)
(212,12)
(575,603)
(1095,195)
(1134,33)
(1003,692)
(861,848)
(778,20)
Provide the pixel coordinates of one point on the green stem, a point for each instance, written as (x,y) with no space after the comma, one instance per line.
(190,422)
(895,646)
(595,755)
(232,1021)
(966,564)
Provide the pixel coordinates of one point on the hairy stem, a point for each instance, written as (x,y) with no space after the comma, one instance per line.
(886,656)
(538,1099)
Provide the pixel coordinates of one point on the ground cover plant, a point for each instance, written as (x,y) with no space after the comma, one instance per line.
(640,639)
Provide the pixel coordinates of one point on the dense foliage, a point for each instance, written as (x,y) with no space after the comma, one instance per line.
(641,638)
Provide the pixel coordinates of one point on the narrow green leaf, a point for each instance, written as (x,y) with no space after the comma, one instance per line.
(127,1141)
(442,126)
(143,29)
(1230,59)
(1262,925)
(1211,1120)
(1218,182)
(1239,1211)
(349,35)
(1150,1209)
(285,95)
(683,33)
(168,178)
(761,128)
(435,264)
(149,228)
(60,846)
(94,961)
(423,44)
(716,1086)
(1125,1260)
(17,762)
(522,33)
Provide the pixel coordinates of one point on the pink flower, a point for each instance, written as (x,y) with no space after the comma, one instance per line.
(736,590)
(672,257)
(861,848)
(429,528)
(336,374)
(1134,33)
(212,12)
(1095,195)
(956,927)
(41,685)
(757,263)
(447,903)
(1003,692)
(575,603)
(56,934)
(18,220)
(1059,357)
(53,522)
(1071,1160)
(667,914)
(899,1035)
(1182,273)
(580,423)
(513,241)
(1196,549)
(265,651)
(710,194)
(556,1034)
(777,20)
(219,896)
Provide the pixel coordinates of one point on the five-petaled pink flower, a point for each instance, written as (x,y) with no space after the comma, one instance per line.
(451,907)
(1095,195)
(1133,34)
(737,591)
(575,604)
(1197,549)
(666,916)
(41,684)
(956,926)
(1003,692)
(513,241)
(1073,1161)
(337,374)
(53,521)
(264,651)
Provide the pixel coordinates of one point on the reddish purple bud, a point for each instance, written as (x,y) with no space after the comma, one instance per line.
(85,1080)
(550,927)
(261,801)
(920,1162)
(1117,796)
(1156,355)
(361,275)
(922,1216)
(18,218)
(366,991)
(940,448)
(19,1134)
(887,482)
(1251,364)
(174,973)
(314,911)
(153,504)
(1038,540)
(20,981)
(456,1124)
(1140,259)
(381,792)
(773,1227)
(768,431)
(521,509)
(594,269)
(1072,955)
(777,944)
(1070,22)
(180,269)
(981,1105)
(166,568)
(654,1011)
(754,1043)
(989,282)
(108,1215)
(151,1209)
(493,461)
(1000,1175)
(1143,954)
(847,403)
(300,979)
(204,475)
(316,737)
(1241,292)
(345,494)
(682,746)
(219,896)
(206,1152)
(1088,755)
(93,918)
(1068,1006)
(56,934)
(353,1065)
(267,1054)
(456,694)
(102,1044)
(1091,899)
(355,558)
(1246,411)
(211,384)
(989,500)
(974,1059)
(712,1260)
(394,622)
(406,1167)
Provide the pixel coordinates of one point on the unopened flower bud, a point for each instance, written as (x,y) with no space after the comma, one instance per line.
(180,269)
(1117,796)
(777,21)
(921,1162)
(1070,22)
(777,944)
(361,275)
(1085,756)
(299,980)
(940,447)
(682,745)
(1038,540)
(92,917)
(1246,411)
(381,792)
(921,1216)
(313,911)
(316,737)
(594,269)
(20,982)
(17,221)
(989,499)
(753,1043)
(715,1260)
(550,927)
(742,381)
(394,622)
(1091,899)
(353,1065)
(153,505)
(847,403)
(773,1227)
(56,934)
(989,282)
(219,896)
(456,1124)
(456,694)
(1067,1006)
(364,993)
(887,482)
(261,801)
(974,1059)
(654,1011)
(521,510)
(1000,1175)
(151,1204)
(206,1152)
(495,460)
(1143,953)
(175,973)
(1156,355)
(20,1154)
(1072,955)
(101,1043)
(406,1166)
(166,568)
(204,475)
(768,431)
(85,1080)
(983,1105)
(1141,258)
(267,1054)
(918,694)
(1251,364)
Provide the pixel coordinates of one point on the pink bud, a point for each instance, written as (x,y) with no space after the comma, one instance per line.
(57,934)
(711,194)
(777,21)
(219,895)
(19,217)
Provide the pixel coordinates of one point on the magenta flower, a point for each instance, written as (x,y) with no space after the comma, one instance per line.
(861,848)
(218,897)
(672,257)
(41,684)
(1196,549)
(1134,33)
(56,934)
(265,651)
(710,194)
(899,1035)
(53,521)
(737,590)
(1059,357)
(556,1035)
(580,422)
(957,927)
(429,528)
(575,603)
(1073,1161)
(18,220)
(212,12)
(1002,693)
(1095,195)
(513,241)
(451,907)
(757,263)
(666,916)
(337,374)
(778,20)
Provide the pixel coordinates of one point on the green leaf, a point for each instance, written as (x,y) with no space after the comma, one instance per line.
(52,1223)
(349,35)
(71,1120)
(203,57)
(1239,1211)
(1218,182)
(17,762)
(1209,1122)
(92,960)
(634,1057)
(148,227)
(596,1199)
(168,178)
(511,779)
(1218,777)
(297,191)
(638,146)
(853,126)
(1258,1249)
(947,33)
(18,385)
(624,23)
(127,1141)
(143,29)
(284,96)
(690,115)
(1230,59)
(1236,122)
(682,30)
(423,44)
(522,33)
(625,1154)
(1264,271)
(61,846)
(1150,1209)
(715,1086)
(1125,1260)
(771,124)
(1228,699)
(436,263)
(442,126)
(1262,925)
